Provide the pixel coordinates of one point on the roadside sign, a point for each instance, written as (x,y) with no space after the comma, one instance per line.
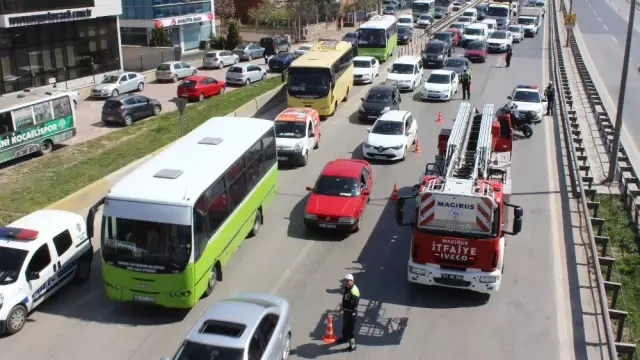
(570,21)
(181,104)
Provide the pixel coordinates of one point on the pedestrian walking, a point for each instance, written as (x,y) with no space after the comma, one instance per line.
(349,309)
(550,94)
(465,81)
(507,56)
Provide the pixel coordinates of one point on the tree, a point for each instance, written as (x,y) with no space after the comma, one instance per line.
(160,37)
(269,12)
(233,35)
(225,9)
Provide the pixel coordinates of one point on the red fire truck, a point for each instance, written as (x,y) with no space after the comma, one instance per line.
(462,202)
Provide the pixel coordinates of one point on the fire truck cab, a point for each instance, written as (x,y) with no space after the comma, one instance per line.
(462,206)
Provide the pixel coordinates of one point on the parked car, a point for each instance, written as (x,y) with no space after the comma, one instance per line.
(198,87)
(174,71)
(378,100)
(244,325)
(249,51)
(477,51)
(281,61)
(219,59)
(244,74)
(127,108)
(340,195)
(118,83)
(274,44)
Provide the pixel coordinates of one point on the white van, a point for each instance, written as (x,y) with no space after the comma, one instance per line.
(405,73)
(472,13)
(474,32)
(492,24)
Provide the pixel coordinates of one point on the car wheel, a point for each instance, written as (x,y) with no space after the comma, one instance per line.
(287,348)
(141,86)
(317,146)
(213,280)
(115,93)
(194,72)
(16,318)
(128,120)
(264,76)
(221,65)
(257,222)
(404,154)
(247,82)
(156,110)
(357,228)
(235,61)
(413,86)
(222,90)
(201,97)
(46,147)
(83,270)
(249,58)
(175,78)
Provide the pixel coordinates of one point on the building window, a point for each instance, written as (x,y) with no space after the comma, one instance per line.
(22,6)
(181,10)
(134,36)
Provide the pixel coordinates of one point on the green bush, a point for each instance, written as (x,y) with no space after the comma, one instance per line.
(218,42)
(160,37)
(233,35)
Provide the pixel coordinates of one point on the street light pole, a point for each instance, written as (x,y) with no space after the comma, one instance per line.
(568,29)
(613,162)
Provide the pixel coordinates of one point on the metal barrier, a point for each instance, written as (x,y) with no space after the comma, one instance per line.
(582,186)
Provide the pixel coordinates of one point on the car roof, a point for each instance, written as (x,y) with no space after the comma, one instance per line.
(343,167)
(295,114)
(405,17)
(170,62)
(48,223)
(525,89)
(441,72)
(477,25)
(394,115)
(123,97)
(407,59)
(242,65)
(364,58)
(383,88)
(196,77)
(435,41)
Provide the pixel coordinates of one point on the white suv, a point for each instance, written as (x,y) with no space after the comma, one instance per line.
(528,98)
(405,73)
(39,254)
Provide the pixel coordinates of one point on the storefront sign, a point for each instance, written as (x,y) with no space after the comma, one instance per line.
(49,17)
(177,21)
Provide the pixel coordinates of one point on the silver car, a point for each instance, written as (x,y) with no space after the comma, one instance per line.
(174,71)
(219,59)
(249,51)
(301,50)
(517,31)
(244,74)
(118,83)
(242,326)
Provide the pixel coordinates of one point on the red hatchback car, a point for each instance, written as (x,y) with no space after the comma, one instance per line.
(339,196)
(198,87)
(477,51)
(457,36)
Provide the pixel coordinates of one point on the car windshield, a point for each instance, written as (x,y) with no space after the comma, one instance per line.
(501,35)
(372,37)
(442,36)
(403,30)
(472,31)
(283,56)
(476,45)
(336,186)
(405,21)
(163,67)
(468,13)
(455,63)
(439,79)
(498,11)
(188,83)
(112,104)
(311,83)
(146,246)
(402,69)
(350,35)
(527,96)
(464,19)
(110,79)
(456,26)
(425,17)
(384,127)
(11,261)
(377,96)
(198,351)
(514,29)
(290,130)
(235,69)
(526,21)
(241,47)
(540,4)
(434,48)
(362,63)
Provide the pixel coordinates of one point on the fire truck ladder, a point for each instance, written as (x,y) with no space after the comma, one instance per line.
(456,138)
(477,147)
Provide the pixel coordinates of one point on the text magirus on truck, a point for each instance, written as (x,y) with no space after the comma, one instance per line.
(461,200)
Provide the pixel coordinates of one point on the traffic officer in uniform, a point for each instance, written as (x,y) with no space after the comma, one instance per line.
(465,81)
(550,94)
(349,309)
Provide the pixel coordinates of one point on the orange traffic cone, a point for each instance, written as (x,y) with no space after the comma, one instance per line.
(329,337)
(417,148)
(394,193)
(439,118)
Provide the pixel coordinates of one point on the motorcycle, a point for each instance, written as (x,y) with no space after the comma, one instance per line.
(522,123)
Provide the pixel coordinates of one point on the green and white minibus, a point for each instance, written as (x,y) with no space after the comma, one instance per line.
(420,7)
(33,122)
(378,37)
(171,225)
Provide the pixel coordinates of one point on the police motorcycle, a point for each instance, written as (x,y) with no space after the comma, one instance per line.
(521,122)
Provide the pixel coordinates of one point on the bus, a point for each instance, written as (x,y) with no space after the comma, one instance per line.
(378,37)
(170,226)
(33,122)
(420,7)
(321,77)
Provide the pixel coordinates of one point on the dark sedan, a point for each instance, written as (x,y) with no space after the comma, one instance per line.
(127,108)
(281,61)
(457,65)
(379,100)
(405,35)
(447,37)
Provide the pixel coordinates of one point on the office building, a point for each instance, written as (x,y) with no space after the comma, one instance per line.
(47,41)
(187,21)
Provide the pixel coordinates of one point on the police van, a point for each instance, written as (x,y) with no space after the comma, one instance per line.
(40,253)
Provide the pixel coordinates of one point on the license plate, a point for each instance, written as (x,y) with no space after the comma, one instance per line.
(144,298)
(380,157)
(109,117)
(184,95)
(282,158)
(327,226)
(430,62)
(452,277)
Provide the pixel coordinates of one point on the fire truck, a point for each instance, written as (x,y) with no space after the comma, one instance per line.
(461,205)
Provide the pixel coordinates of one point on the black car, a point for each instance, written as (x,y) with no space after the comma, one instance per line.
(351,37)
(389,10)
(379,99)
(457,65)
(447,37)
(405,35)
(274,44)
(435,54)
(482,14)
(127,108)
(439,13)
(281,61)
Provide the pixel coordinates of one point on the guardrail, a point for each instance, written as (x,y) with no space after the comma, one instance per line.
(582,186)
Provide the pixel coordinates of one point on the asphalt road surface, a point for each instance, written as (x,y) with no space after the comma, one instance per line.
(526,320)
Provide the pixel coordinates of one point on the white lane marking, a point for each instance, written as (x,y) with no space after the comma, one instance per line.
(598,18)
(293,266)
(589,5)
(605,27)
(562,301)
(616,40)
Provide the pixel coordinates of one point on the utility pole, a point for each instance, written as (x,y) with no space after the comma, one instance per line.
(613,161)
(568,29)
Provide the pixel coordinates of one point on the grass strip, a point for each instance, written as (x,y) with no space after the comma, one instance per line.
(622,233)
(40,182)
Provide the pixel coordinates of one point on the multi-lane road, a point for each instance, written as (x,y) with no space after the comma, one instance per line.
(527,319)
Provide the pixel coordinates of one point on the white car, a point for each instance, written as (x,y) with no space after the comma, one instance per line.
(440,85)
(219,59)
(301,50)
(465,20)
(39,254)
(405,73)
(530,25)
(405,20)
(517,31)
(500,40)
(365,68)
(528,98)
(424,21)
(390,136)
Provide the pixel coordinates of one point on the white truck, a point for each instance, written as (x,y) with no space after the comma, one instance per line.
(530,24)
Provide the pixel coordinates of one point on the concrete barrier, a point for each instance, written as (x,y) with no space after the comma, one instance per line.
(80,201)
